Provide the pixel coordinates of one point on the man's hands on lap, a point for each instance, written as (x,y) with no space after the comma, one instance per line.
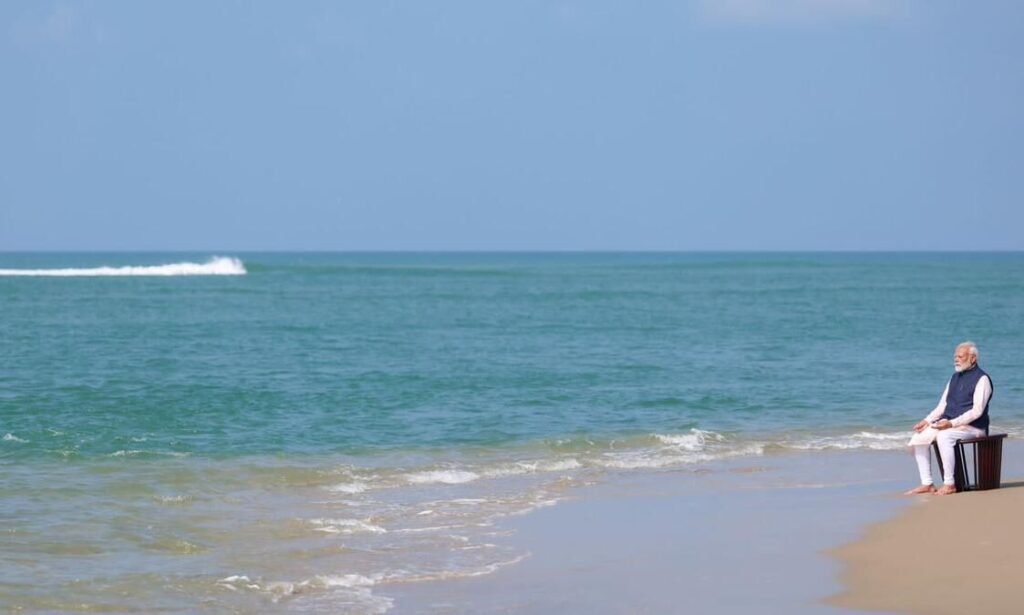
(940,424)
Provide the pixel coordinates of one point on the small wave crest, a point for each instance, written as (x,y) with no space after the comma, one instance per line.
(520,468)
(349,488)
(862,440)
(141,453)
(174,499)
(218,265)
(13,438)
(696,440)
(355,587)
(447,477)
(682,449)
(1014,432)
(656,460)
(468,574)
(346,526)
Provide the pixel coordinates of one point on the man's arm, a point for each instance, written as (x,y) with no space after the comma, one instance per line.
(941,407)
(982,393)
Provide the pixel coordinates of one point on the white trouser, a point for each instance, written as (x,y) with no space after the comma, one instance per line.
(946,440)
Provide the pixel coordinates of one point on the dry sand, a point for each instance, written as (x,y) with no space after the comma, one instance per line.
(959,554)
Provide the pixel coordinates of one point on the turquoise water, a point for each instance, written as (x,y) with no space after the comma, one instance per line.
(365,389)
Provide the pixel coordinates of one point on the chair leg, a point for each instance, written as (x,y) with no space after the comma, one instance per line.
(938,457)
(960,471)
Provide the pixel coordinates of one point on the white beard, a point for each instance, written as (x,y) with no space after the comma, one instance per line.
(962,368)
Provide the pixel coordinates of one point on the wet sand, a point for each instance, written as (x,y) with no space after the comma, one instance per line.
(757,535)
(748,536)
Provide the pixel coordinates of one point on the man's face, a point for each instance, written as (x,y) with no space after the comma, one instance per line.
(962,359)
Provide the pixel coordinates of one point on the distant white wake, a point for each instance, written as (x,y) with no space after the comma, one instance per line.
(218,265)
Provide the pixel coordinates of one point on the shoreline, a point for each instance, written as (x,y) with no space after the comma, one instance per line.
(761,534)
(743,536)
(766,535)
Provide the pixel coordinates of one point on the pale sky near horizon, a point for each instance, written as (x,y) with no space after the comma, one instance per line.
(519,125)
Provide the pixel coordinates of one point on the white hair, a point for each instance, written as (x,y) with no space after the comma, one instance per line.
(971,348)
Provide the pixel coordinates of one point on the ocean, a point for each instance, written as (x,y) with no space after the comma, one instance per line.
(262,432)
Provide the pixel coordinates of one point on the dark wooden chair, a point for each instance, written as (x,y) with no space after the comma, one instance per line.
(985,469)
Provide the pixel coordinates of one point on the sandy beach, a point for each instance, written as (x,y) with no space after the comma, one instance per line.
(746,536)
(794,534)
(955,554)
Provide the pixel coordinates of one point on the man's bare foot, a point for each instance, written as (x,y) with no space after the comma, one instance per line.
(921,489)
(946,490)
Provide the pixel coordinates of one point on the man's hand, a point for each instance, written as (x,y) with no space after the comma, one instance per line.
(920,426)
(942,424)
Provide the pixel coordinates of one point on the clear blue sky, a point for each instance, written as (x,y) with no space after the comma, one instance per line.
(515,125)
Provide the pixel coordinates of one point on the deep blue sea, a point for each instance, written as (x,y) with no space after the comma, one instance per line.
(249,432)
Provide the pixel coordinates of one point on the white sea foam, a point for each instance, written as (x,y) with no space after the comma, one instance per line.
(532,506)
(466,574)
(862,440)
(349,488)
(1013,432)
(347,526)
(355,590)
(174,499)
(562,465)
(136,453)
(439,528)
(638,460)
(532,467)
(218,265)
(447,477)
(345,580)
(671,456)
(237,581)
(696,440)
(13,438)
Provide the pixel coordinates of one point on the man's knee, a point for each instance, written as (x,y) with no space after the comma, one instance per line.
(947,438)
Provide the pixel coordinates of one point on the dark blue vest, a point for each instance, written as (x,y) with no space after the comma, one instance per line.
(960,398)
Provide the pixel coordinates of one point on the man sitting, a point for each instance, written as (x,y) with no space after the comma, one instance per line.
(962,413)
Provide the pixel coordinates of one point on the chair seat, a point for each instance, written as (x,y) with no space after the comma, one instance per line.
(998,436)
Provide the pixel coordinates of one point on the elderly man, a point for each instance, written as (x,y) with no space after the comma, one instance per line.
(962,413)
